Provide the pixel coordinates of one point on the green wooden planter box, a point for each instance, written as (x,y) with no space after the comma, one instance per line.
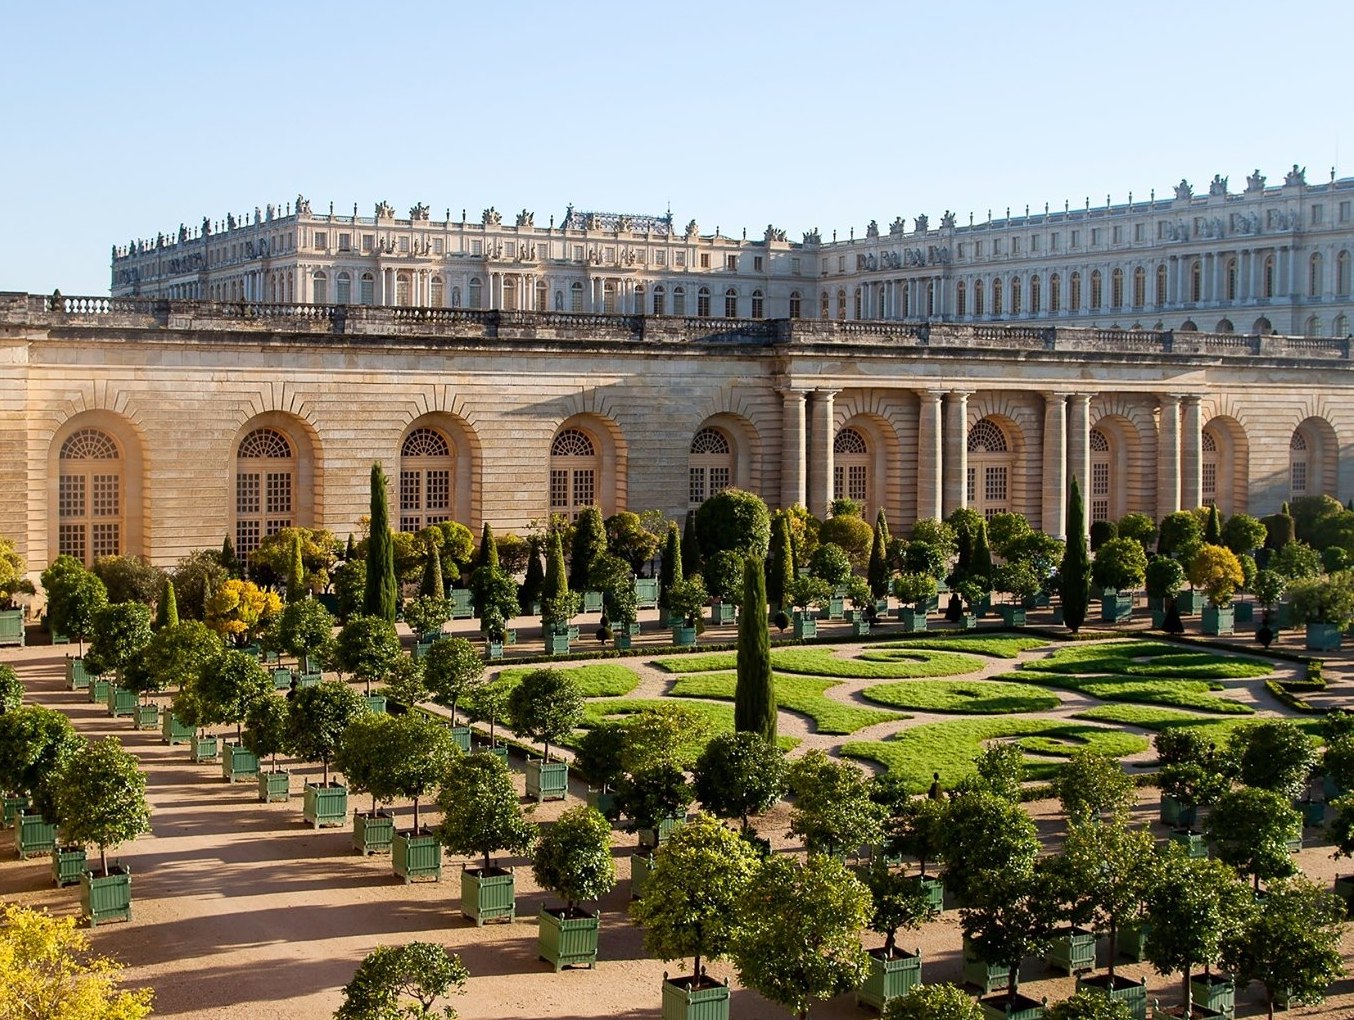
(13,807)
(1116,608)
(120,701)
(646,593)
(620,640)
(567,941)
(174,732)
(206,750)
(76,677)
(671,619)
(605,802)
(1244,612)
(416,855)
(683,635)
(913,620)
(493,650)
(282,679)
(859,628)
(274,787)
(501,750)
(309,679)
(421,649)
(12,627)
(67,864)
(1175,814)
(641,867)
(488,895)
(462,606)
(547,780)
(557,644)
(967,621)
(1219,621)
(1071,950)
(1195,843)
(238,764)
(1132,994)
(1012,616)
(34,835)
(935,892)
(1313,812)
(1214,991)
(836,606)
(805,625)
(1002,1008)
(592,602)
(1323,637)
(708,1001)
(652,839)
(373,833)
(1190,603)
(722,613)
(325,805)
(375,703)
(1039,600)
(1344,888)
(97,691)
(1132,941)
(146,717)
(461,735)
(106,897)
(990,977)
(888,978)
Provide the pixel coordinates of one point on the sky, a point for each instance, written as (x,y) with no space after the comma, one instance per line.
(124,120)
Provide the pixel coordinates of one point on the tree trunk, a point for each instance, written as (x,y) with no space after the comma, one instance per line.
(486,860)
(415,816)
(103,860)
(696,970)
(1189,993)
(1114,948)
(1013,983)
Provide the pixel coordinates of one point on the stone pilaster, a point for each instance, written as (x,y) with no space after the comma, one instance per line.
(1191,453)
(956,450)
(930,455)
(1168,454)
(1079,446)
(821,436)
(1054,487)
(793,453)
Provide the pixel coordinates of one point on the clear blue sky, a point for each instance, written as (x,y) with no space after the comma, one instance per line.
(122,120)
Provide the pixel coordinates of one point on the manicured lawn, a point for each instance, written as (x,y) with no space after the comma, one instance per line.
(997,647)
(972,697)
(1161,660)
(798,693)
(1195,694)
(600,680)
(900,664)
(1158,719)
(950,747)
(717,718)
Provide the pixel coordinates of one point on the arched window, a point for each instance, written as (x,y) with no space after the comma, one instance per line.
(978,292)
(1139,287)
(1231,278)
(1267,277)
(960,300)
(1117,289)
(1015,295)
(1036,295)
(1055,293)
(1101,464)
(1196,281)
(1262,326)
(1340,325)
(437,292)
(402,290)
(996,298)
(426,471)
(476,292)
(609,297)
(1297,465)
(851,466)
(639,299)
(709,465)
(319,286)
(758,305)
(89,505)
(841,304)
(703,303)
(731,304)
(1208,488)
(1074,293)
(265,482)
(1161,286)
(1224,326)
(1096,293)
(1314,275)
(796,304)
(1312,327)
(575,297)
(574,467)
(1342,274)
(989,468)
(659,300)
(509,294)
(825,306)
(678,300)
(366,289)
(857,313)
(542,296)
(1189,326)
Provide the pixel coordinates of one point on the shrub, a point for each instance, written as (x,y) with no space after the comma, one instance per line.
(737,520)
(1120,564)
(573,857)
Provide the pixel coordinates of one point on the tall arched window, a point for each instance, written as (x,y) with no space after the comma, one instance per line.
(426,471)
(1036,295)
(1312,327)
(1139,287)
(857,312)
(475,293)
(960,300)
(978,296)
(1161,286)
(1055,293)
(825,306)
(1231,275)
(437,292)
(1297,465)
(1096,293)
(1267,277)
(366,289)
(1074,293)
(90,496)
(678,300)
(509,294)
(1340,325)
(703,303)
(640,295)
(851,466)
(1208,488)
(574,467)
(609,297)
(542,296)
(1117,289)
(841,304)
(996,297)
(1100,476)
(1342,274)
(731,304)
(659,300)
(265,480)
(1196,281)
(1015,295)
(402,290)
(989,468)
(575,297)
(709,465)
(796,304)
(1314,274)
(319,289)
(758,305)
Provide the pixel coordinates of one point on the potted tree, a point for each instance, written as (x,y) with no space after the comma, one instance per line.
(862,610)
(723,577)
(121,632)
(367,647)
(898,901)
(546,706)
(35,743)
(806,593)
(1165,578)
(315,726)
(306,630)
(426,615)
(1017,579)
(654,797)
(1216,570)
(739,774)
(176,656)
(556,612)
(686,600)
(74,597)
(573,860)
(488,702)
(914,591)
(833,812)
(388,975)
(1327,606)
(971,591)
(226,688)
(1121,567)
(1251,829)
(690,908)
(453,670)
(831,565)
(598,757)
(366,755)
(101,799)
(265,736)
(481,814)
(420,753)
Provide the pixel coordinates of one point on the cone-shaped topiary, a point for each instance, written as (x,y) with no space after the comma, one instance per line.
(380,596)
(754,698)
(1074,576)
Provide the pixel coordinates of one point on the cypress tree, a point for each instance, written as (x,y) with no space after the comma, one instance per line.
(980,563)
(754,698)
(881,522)
(780,572)
(671,571)
(488,551)
(229,560)
(534,580)
(691,547)
(1074,575)
(1213,529)
(877,573)
(350,550)
(380,597)
(296,572)
(589,546)
(167,609)
(555,582)
(432,583)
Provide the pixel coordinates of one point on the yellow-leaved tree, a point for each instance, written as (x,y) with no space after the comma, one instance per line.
(241,609)
(1217,571)
(47,972)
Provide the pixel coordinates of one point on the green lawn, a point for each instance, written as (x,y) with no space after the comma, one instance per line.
(900,665)
(717,718)
(798,693)
(1158,719)
(599,680)
(950,747)
(1161,660)
(971,697)
(1195,694)
(997,647)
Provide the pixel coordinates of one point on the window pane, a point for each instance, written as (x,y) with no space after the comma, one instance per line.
(71,540)
(719,479)
(696,485)
(994,488)
(71,498)
(410,486)
(105,496)
(438,486)
(246,494)
(559,490)
(279,492)
(584,487)
(246,537)
(104,539)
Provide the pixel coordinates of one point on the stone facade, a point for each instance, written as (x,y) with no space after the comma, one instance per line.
(157,426)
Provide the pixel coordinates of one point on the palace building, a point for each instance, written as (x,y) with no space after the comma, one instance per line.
(244,376)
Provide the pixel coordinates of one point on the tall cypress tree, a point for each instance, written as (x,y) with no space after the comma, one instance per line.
(780,572)
(432,584)
(380,597)
(980,564)
(1213,529)
(691,547)
(534,581)
(754,698)
(229,560)
(556,582)
(589,546)
(486,566)
(167,609)
(877,573)
(1074,575)
(296,572)
(671,571)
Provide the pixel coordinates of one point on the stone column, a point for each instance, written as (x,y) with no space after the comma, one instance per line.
(956,451)
(1054,521)
(1168,455)
(929,456)
(1079,446)
(1191,454)
(821,435)
(792,449)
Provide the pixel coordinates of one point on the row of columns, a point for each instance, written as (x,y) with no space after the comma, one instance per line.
(807,475)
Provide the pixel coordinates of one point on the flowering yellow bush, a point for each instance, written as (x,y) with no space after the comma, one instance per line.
(241,608)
